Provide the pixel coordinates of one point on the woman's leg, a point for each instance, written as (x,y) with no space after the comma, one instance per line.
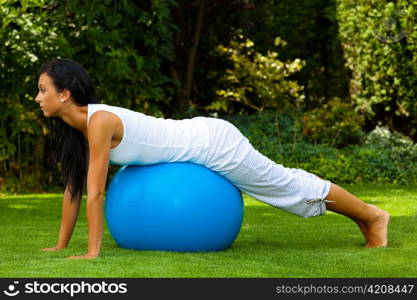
(372,221)
(292,190)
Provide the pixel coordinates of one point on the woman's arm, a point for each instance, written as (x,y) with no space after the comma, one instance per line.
(70,210)
(100,132)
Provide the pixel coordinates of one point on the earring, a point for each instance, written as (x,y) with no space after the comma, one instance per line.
(62,101)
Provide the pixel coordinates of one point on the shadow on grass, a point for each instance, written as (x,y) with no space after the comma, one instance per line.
(27,209)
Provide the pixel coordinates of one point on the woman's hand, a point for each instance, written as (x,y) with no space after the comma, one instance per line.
(99,132)
(70,209)
(56,248)
(88,256)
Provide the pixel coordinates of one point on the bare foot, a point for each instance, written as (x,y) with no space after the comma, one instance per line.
(376,229)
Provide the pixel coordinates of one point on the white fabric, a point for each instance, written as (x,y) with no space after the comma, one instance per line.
(150,140)
(219,146)
(293,190)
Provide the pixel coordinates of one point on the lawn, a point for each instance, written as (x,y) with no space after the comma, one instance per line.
(271,243)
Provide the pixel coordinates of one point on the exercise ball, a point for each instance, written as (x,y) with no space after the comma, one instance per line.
(180,207)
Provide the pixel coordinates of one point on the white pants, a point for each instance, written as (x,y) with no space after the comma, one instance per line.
(293,190)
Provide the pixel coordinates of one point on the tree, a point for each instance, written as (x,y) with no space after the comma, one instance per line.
(191,18)
(25,41)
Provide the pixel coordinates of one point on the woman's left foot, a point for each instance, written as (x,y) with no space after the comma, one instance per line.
(377,228)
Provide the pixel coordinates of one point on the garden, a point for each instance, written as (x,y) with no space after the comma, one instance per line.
(324,86)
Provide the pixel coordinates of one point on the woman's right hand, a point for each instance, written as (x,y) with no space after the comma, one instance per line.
(56,248)
(69,216)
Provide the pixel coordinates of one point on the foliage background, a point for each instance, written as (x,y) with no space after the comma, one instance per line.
(326,85)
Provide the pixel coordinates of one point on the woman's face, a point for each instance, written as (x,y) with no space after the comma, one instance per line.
(48,97)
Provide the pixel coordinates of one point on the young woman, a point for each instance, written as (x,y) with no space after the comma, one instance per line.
(86,136)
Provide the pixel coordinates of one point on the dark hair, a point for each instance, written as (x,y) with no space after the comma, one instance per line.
(64,144)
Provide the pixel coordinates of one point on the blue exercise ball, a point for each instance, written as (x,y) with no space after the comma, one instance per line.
(180,207)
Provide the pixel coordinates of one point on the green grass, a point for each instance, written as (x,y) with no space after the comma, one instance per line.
(271,243)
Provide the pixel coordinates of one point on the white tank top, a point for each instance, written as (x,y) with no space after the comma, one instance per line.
(150,140)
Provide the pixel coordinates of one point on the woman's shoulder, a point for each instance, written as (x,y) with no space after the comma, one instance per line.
(102,116)
(96,105)
(100,113)
(94,108)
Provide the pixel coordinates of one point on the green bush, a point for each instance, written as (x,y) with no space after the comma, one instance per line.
(132,47)
(335,123)
(256,81)
(311,30)
(379,41)
(123,45)
(25,42)
(270,131)
(383,156)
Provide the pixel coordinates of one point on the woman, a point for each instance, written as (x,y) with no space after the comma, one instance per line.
(88,135)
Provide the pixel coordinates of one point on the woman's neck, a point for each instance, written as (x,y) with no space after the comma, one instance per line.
(76,117)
